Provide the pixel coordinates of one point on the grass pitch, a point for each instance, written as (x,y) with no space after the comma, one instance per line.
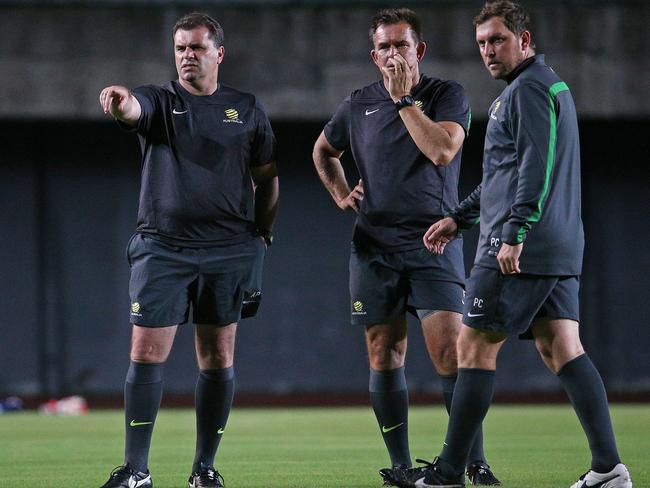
(528,447)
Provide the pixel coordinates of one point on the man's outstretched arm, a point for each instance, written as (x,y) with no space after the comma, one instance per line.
(467,213)
(464,216)
(119,102)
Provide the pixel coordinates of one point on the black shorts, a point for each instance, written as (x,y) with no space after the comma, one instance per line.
(384,286)
(511,303)
(223,284)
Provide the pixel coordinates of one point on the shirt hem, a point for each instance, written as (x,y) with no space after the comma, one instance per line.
(177,241)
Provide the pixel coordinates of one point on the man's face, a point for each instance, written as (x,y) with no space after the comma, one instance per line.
(196,55)
(392,39)
(501,49)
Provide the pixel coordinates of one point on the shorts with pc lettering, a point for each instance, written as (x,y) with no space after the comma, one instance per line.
(221,283)
(384,286)
(511,303)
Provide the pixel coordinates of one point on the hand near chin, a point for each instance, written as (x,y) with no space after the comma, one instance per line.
(400,77)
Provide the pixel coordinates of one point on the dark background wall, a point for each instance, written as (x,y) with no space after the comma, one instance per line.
(69,183)
(69,195)
(302,57)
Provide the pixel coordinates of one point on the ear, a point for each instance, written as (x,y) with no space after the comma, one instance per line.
(420,49)
(525,40)
(375,57)
(220,54)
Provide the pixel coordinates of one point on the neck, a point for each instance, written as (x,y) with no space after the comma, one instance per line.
(200,87)
(515,72)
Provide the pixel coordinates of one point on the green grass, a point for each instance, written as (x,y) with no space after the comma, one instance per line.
(528,447)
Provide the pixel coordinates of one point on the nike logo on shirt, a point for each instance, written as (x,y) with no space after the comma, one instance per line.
(177,112)
(475,314)
(369,112)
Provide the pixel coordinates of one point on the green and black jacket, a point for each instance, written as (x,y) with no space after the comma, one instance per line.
(530,190)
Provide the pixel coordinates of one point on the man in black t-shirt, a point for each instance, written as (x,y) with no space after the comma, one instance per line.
(405,133)
(207,205)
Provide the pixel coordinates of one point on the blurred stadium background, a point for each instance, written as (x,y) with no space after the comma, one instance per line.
(69,182)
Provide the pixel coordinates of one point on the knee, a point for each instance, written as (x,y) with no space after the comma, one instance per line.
(217,355)
(557,351)
(479,350)
(146,352)
(467,357)
(466,351)
(445,358)
(545,349)
(384,354)
(568,350)
(441,331)
(151,345)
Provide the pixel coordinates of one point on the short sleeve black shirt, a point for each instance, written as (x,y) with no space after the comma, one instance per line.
(404,192)
(196,157)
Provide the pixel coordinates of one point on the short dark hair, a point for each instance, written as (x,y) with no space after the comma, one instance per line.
(391,16)
(515,18)
(197,19)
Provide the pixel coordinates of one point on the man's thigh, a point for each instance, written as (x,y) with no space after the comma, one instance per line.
(229,285)
(384,286)
(378,291)
(161,276)
(562,304)
(505,303)
(436,281)
(429,296)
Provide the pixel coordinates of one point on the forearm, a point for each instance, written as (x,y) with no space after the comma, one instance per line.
(467,213)
(130,113)
(524,212)
(533,183)
(433,139)
(121,104)
(267,196)
(331,173)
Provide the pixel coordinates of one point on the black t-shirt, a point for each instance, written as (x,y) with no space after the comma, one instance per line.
(404,191)
(196,157)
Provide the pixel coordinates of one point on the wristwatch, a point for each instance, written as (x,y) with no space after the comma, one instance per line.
(405,101)
(267,235)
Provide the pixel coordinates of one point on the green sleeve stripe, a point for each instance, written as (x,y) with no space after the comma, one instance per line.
(556,88)
(469,120)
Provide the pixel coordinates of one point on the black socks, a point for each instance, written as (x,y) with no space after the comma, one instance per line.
(215,389)
(476,453)
(389,398)
(471,400)
(142,394)
(586,391)
(583,384)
